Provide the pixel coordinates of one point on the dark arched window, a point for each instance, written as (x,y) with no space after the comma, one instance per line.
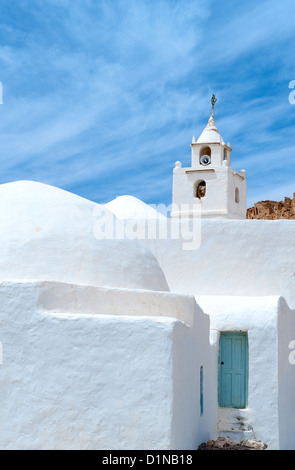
(200,189)
(237,195)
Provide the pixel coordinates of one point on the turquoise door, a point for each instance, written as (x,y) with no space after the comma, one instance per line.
(233,370)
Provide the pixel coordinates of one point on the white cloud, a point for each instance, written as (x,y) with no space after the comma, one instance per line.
(95,87)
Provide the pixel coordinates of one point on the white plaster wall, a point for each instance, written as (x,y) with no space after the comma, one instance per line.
(286,328)
(219,201)
(183,186)
(85,369)
(216,154)
(237,210)
(130,207)
(259,317)
(50,234)
(215,201)
(235,257)
(191,350)
(216,189)
(58,297)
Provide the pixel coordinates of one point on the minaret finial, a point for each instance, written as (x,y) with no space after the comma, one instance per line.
(213,102)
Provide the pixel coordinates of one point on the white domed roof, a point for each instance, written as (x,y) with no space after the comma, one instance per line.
(130,207)
(48,234)
(210,134)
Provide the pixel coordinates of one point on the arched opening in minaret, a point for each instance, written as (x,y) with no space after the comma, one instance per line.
(205,152)
(200,189)
(237,195)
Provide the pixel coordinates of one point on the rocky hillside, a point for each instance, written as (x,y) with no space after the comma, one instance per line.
(272,210)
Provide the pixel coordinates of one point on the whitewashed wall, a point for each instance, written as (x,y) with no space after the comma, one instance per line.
(286,327)
(270,400)
(235,257)
(191,350)
(98,368)
(49,234)
(220,192)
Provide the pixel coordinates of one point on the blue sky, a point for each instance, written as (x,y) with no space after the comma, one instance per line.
(102,97)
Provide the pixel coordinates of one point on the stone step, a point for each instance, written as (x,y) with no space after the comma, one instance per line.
(236,436)
(235,426)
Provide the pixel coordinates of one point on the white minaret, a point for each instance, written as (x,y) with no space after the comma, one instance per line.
(210,187)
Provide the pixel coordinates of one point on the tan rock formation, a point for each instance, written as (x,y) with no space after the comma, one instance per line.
(273,210)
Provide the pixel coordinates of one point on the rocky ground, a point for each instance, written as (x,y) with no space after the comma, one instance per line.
(222,444)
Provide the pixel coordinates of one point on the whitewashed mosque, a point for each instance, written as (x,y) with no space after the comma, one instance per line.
(146,343)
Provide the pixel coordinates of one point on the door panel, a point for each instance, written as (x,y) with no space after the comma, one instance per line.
(233,370)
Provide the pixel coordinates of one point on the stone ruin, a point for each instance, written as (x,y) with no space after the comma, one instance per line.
(226,444)
(272,210)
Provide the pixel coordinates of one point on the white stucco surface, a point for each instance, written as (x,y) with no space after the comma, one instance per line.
(130,207)
(224,190)
(79,373)
(74,299)
(235,257)
(219,201)
(48,234)
(210,134)
(97,353)
(286,379)
(270,399)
